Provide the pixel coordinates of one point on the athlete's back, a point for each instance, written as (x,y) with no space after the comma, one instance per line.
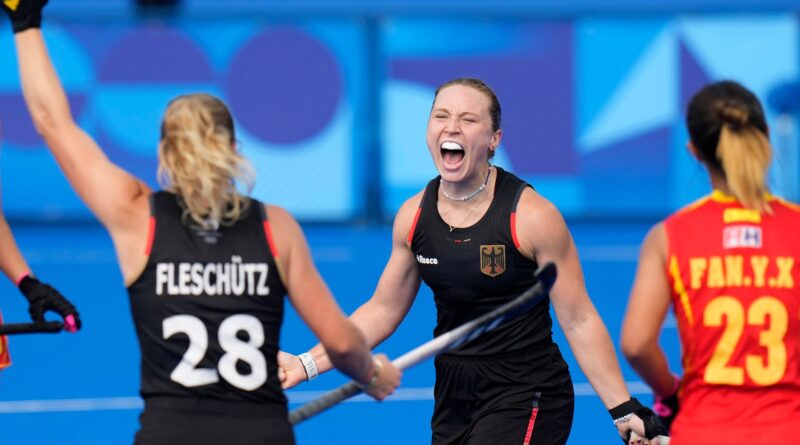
(734,289)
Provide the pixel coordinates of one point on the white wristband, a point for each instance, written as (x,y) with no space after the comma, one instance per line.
(310,365)
(623,419)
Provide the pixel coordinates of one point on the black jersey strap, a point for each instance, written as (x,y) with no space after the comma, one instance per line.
(429,189)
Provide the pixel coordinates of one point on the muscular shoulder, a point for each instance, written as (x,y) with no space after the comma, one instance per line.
(278,216)
(405,217)
(539,224)
(286,232)
(657,235)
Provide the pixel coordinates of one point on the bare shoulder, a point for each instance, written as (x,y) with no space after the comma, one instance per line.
(538,222)
(286,231)
(655,242)
(537,208)
(404,219)
(277,214)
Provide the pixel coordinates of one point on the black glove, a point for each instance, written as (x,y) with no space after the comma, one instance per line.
(43,297)
(24,14)
(667,407)
(653,426)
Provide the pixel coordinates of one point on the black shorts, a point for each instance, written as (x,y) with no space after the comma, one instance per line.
(179,421)
(506,401)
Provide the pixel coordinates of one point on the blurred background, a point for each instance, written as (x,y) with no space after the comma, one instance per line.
(331,100)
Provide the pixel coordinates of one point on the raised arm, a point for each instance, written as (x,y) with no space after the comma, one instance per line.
(119,200)
(647,309)
(347,349)
(380,315)
(110,192)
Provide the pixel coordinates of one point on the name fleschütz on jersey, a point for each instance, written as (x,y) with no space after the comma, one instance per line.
(233,278)
(422,260)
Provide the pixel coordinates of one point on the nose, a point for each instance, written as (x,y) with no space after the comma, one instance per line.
(452,126)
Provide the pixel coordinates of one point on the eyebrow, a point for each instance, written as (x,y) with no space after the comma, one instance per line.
(444,110)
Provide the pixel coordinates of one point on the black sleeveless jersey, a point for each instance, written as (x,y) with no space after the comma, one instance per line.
(475,269)
(208,308)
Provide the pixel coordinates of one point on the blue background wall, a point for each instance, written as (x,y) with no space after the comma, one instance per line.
(331,108)
(331,100)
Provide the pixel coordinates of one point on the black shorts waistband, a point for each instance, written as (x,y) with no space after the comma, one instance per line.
(526,353)
(195,405)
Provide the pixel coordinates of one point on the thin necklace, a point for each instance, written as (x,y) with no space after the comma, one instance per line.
(464,219)
(471,195)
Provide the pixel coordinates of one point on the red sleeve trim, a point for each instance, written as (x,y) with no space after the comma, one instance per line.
(414,225)
(151,231)
(514,229)
(268,233)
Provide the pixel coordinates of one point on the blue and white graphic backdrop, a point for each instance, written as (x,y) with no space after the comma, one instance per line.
(592,108)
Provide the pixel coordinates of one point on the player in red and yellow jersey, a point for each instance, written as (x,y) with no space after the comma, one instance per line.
(728,264)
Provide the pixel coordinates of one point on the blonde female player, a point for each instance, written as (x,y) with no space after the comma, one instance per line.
(206,268)
(475,235)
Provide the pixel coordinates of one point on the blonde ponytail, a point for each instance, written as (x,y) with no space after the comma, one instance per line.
(745,154)
(199,162)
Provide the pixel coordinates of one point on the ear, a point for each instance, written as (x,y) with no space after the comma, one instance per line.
(693,150)
(496,138)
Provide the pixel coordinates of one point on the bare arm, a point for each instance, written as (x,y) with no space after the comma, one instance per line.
(544,236)
(12,263)
(647,308)
(308,293)
(41,297)
(397,287)
(117,198)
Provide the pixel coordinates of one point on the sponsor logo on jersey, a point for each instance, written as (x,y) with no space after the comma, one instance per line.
(233,278)
(422,260)
(735,215)
(741,236)
(493,259)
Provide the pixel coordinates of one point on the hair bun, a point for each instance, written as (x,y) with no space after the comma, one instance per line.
(734,115)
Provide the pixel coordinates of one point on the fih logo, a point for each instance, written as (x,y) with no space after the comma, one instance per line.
(741,236)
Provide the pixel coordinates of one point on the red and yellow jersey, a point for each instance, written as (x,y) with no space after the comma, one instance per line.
(5,358)
(735,282)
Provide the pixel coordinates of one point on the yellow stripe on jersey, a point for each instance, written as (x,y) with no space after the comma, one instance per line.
(694,205)
(11,4)
(680,289)
(720,196)
(788,204)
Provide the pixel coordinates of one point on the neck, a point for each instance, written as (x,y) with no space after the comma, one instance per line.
(718,182)
(467,192)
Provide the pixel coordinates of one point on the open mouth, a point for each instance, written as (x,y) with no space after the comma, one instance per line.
(452,152)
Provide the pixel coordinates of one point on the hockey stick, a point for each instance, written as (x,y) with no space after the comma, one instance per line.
(49,327)
(545,277)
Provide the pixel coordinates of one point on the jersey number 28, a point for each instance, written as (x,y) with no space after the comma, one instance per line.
(188,374)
